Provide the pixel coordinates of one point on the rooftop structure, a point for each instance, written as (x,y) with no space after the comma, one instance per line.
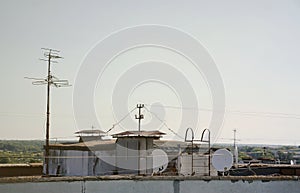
(130,152)
(90,132)
(90,135)
(153,134)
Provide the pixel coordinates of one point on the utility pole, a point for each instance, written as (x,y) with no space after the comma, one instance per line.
(140,116)
(50,55)
(234,138)
(235,150)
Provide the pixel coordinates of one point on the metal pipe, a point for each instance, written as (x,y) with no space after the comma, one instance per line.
(192,140)
(209,152)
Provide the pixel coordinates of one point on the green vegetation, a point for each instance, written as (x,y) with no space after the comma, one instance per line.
(17,151)
(282,153)
(279,154)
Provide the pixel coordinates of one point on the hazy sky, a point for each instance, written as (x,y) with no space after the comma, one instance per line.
(255,45)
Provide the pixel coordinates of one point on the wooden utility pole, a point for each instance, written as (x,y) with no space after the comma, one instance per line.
(50,55)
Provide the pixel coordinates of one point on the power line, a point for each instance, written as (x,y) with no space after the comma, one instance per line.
(242,113)
(37,115)
(163,122)
(245,113)
(180,108)
(117,123)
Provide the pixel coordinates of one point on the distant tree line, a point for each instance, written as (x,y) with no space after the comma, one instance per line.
(283,153)
(19,151)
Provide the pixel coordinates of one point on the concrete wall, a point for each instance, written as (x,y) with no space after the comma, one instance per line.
(152,185)
(81,163)
(132,156)
(9,170)
(200,165)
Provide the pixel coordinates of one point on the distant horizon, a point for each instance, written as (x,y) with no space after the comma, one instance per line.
(217,143)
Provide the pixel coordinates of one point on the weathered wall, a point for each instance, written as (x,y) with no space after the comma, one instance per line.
(81,163)
(151,185)
(200,165)
(132,155)
(8,170)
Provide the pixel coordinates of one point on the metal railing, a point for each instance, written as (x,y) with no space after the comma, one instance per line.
(202,140)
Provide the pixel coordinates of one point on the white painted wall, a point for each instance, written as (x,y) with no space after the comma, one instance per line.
(153,186)
(81,163)
(200,165)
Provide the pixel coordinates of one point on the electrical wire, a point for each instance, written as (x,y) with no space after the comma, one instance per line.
(236,112)
(262,114)
(164,123)
(117,123)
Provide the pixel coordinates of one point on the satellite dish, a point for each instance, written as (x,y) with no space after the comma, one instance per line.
(160,160)
(222,160)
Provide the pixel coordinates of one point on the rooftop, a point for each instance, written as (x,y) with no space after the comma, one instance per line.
(233,179)
(90,132)
(154,134)
(109,144)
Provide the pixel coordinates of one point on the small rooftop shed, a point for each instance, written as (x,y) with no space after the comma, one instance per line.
(134,151)
(90,135)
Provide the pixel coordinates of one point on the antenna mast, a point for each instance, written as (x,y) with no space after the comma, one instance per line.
(140,116)
(235,149)
(50,55)
(234,138)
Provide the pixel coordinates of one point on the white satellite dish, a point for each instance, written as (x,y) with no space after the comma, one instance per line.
(160,160)
(222,160)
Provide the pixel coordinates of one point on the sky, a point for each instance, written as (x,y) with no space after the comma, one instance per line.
(254,45)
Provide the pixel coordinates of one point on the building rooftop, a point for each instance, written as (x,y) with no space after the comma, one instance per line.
(86,145)
(109,144)
(90,132)
(154,134)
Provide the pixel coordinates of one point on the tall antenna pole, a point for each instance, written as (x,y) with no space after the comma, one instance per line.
(235,150)
(234,138)
(140,116)
(49,54)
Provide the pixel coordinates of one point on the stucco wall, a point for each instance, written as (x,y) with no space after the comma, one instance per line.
(81,163)
(152,185)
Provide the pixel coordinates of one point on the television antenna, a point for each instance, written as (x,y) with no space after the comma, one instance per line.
(50,55)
